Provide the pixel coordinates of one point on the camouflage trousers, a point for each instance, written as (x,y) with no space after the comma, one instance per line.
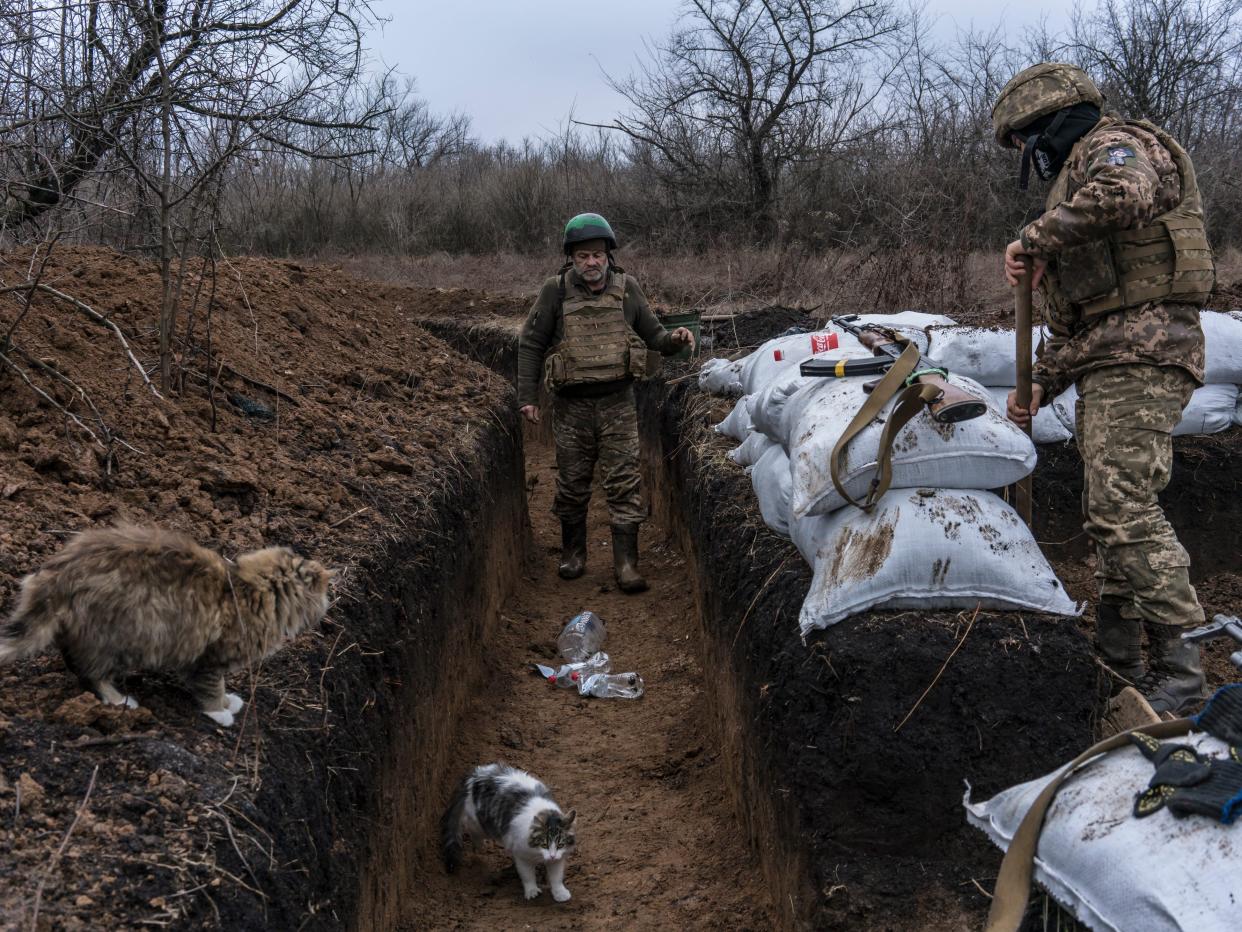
(604,429)
(1126,415)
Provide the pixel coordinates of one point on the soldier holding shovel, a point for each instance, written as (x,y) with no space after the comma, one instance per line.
(1122,260)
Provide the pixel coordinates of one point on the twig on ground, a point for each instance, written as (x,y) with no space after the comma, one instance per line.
(51,866)
(108,740)
(52,401)
(336,524)
(939,672)
(101,319)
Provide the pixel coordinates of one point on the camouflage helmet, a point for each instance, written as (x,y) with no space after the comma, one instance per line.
(1038,91)
(586,227)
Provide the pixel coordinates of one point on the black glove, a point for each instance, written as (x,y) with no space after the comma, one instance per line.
(1189,783)
(1222,716)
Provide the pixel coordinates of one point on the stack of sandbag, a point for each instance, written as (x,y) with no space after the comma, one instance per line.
(986,354)
(937,539)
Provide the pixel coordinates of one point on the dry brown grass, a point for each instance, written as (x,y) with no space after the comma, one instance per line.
(968,287)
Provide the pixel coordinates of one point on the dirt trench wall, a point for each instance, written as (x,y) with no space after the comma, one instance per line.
(859,824)
(348,800)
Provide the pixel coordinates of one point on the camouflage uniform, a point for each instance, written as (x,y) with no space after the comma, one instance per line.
(1135,366)
(591,422)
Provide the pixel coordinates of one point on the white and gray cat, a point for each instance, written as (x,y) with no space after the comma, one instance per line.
(512,807)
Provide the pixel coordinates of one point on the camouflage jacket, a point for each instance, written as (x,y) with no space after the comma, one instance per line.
(1121,177)
(544,328)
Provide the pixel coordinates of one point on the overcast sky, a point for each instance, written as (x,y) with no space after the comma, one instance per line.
(519,68)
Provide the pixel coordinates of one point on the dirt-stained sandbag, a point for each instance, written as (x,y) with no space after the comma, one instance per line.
(1212,408)
(721,377)
(1222,334)
(986,452)
(737,423)
(1047,427)
(753,447)
(928,549)
(1113,871)
(773,487)
(985,354)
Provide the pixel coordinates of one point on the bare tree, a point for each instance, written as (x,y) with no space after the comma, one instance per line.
(743,87)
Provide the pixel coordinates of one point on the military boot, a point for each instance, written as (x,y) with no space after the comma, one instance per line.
(573,549)
(1174,680)
(625,558)
(1120,640)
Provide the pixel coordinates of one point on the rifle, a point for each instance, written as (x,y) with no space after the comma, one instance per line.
(947,403)
(906,374)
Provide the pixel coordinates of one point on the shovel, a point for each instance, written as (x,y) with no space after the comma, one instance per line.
(1022,295)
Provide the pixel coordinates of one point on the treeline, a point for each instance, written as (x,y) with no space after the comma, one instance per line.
(804,124)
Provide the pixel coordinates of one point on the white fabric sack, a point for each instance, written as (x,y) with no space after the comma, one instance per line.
(985,354)
(1223,335)
(1237,412)
(1063,406)
(986,452)
(1047,427)
(721,377)
(737,422)
(768,407)
(1210,410)
(762,366)
(1116,872)
(753,447)
(770,479)
(924,548)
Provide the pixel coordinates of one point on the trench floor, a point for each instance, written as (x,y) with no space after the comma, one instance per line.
(658,846)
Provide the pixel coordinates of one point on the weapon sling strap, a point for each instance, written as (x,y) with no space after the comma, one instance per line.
(1013,885)
(910,400)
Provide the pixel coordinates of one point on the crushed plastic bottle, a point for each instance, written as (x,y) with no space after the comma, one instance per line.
(582,636)
(571,674)
(612,686)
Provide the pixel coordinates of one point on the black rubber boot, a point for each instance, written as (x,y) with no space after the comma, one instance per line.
(625,558)
(1174,679)
(573,549)
(1120,641)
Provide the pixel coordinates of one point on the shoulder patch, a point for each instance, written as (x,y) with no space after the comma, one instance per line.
(1119,154)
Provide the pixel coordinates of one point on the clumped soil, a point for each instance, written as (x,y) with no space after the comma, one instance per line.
(308,410)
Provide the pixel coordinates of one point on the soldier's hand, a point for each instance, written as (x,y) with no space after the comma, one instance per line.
(1014,253)
(1022,416)
(683,337)
(531,413)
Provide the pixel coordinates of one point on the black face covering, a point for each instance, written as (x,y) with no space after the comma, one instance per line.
(1050,138)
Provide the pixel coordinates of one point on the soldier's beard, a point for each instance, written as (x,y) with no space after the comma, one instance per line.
(593,276)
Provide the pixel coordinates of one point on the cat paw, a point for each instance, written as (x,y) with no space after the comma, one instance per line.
(561,894)
(531,892)
(220,716)
(234,702)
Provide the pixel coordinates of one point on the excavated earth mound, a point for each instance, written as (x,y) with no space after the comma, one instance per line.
(309,411)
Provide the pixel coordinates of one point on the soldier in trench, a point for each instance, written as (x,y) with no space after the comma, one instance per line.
(589,333)
(1121,257)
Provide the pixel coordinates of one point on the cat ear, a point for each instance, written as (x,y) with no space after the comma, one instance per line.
(569,819)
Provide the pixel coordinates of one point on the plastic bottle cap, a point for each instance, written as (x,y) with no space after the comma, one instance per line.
(574,676)
(552,678)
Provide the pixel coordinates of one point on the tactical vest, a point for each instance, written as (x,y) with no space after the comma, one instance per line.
(1170,259)
(598,344)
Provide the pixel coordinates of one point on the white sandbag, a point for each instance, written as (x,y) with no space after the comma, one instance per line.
(1223,335)
(721,376)
(737,422)
(1116,872)
(1064,407)
(753,447)
(985,354)
(986,452)
(1210,410)
(1047,427)
(917,319)
(770,479)
(762,366)
(924,548)
(768,407)
(1237,412)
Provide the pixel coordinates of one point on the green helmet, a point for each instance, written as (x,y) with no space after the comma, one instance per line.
(1039,90)
(587,227)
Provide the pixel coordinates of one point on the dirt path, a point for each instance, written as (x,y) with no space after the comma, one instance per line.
(657,844)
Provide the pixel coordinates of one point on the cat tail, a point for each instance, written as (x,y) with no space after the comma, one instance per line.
(32,626)
(450,828)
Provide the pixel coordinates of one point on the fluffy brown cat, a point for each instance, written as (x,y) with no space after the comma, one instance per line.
(129,598)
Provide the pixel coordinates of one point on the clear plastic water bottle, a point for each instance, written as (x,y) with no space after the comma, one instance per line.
(571,674)
(612,686)
(582,637)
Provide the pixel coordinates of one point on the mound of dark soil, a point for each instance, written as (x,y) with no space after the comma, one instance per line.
(307,410)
